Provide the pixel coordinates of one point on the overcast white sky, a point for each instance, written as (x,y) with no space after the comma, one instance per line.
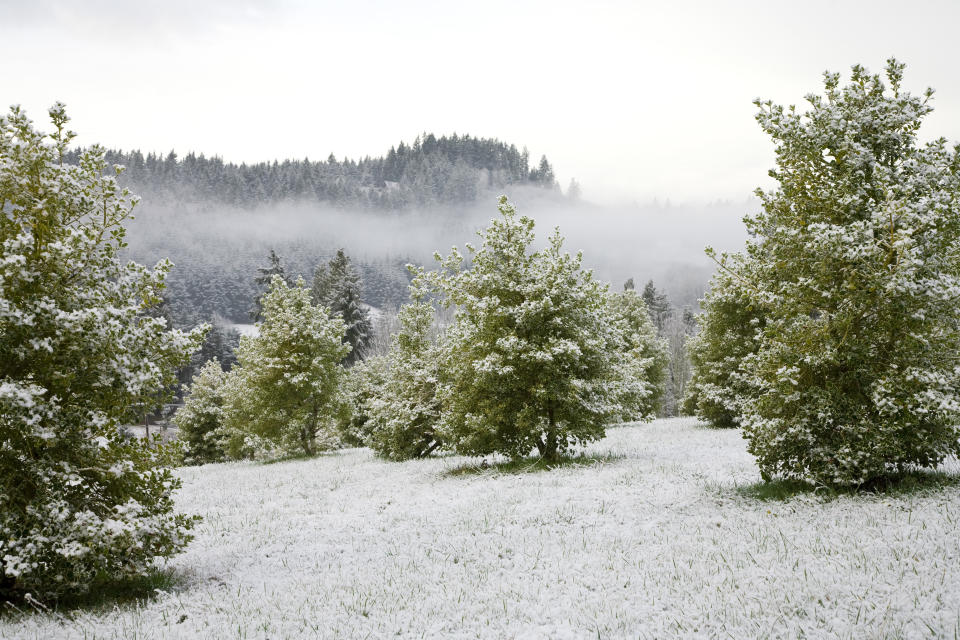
(634,99)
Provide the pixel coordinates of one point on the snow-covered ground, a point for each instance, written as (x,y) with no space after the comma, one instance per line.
(654,542)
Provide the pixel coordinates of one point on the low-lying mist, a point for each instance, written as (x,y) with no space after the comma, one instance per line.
(661,242)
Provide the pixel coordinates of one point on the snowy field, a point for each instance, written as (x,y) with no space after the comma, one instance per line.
(656,538)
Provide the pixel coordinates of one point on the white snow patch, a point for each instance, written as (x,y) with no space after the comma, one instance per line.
(655,542)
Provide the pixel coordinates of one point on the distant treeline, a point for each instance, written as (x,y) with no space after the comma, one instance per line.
(431,171)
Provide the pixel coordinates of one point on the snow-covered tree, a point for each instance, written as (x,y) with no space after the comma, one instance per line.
(284,393)
(263,281)
(219,345)
(658,305)
(533,359)
(680,327)
(200,421)
(646,353)
(78,349)
(338,286)
(405,414)
(730,329)
(363,383)
(855,263)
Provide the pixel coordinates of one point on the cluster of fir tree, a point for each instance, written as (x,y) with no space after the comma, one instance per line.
(212,281)
(81,345)
(539,355)
(283,394)
(431,171)
(287,390)
(336,286)
(832,339)
(676,326)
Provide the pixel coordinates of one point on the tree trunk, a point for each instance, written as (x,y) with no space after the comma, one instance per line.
(549,449)
(308,431)
(305,440)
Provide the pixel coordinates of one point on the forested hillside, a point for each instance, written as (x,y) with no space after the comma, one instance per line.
(217,220)
(431,171)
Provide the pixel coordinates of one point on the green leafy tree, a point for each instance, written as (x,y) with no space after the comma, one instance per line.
(532,360)
(406,414)
(79,505)
(284,393)
(730,330)
(363,383)
(200,421)
(646,354)
(854,259)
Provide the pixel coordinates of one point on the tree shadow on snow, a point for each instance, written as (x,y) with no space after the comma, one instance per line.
(908,483)
(102,596)
(528,465)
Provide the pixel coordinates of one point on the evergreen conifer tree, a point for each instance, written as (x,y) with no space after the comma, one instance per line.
(657,305)
(363,384)
(263,280)
(338,287)
(646,353)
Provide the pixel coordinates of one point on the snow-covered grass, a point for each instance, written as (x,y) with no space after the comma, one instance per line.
(657,535)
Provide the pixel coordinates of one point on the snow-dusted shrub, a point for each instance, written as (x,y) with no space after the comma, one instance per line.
(284,395)
(855,261)
(200,421)
(79,504)
(362,384)
(730,330)
(405,413)
(646,354)
(534,359)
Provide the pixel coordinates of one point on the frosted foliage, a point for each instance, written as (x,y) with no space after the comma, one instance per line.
(730,330)
(854,257)
(363,384)
(338,286)
(534,359)
(645,353)
(406,412)
(200,421)
(77,352)
(284,395)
